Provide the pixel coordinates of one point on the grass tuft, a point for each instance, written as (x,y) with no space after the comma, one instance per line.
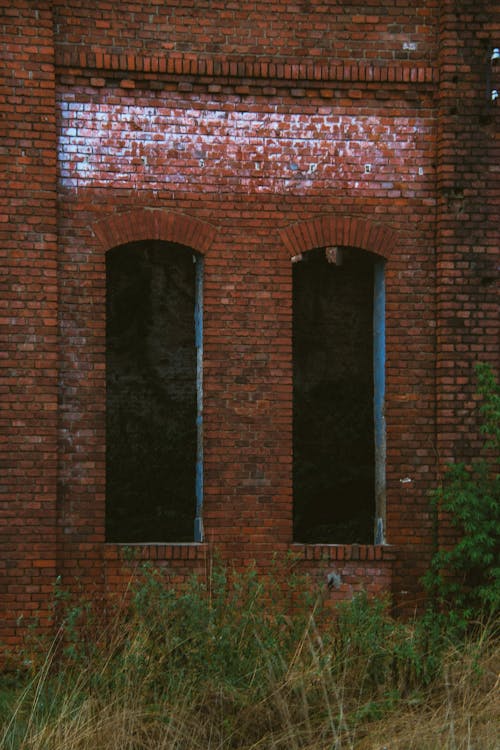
(225,665)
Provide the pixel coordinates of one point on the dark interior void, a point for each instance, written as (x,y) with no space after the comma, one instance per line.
(333,431)
(151,393)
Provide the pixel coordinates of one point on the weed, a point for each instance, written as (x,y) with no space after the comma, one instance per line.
(225,665)
(464,579)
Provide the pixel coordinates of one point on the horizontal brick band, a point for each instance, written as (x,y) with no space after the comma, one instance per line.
(190,65)
(141,552)
(344,552)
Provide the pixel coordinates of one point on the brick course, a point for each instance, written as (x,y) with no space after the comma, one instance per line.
(251,137)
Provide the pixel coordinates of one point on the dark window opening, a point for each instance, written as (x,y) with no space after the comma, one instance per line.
(333,397)
(152,393)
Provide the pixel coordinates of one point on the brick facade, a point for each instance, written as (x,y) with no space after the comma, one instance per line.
(250,133)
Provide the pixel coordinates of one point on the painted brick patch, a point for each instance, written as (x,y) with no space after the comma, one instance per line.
(151,146)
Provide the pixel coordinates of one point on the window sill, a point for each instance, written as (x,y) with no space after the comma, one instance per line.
(361,552)
(140,551)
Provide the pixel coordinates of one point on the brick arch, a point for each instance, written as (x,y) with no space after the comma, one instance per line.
(338,230)
(154,224)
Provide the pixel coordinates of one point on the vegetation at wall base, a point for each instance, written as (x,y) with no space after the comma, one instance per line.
(238,661)
(464,578)
(225,665)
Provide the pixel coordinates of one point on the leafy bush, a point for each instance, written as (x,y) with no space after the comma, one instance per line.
(226,632)
(464,580)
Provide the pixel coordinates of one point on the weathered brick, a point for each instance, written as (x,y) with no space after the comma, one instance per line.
(250,142)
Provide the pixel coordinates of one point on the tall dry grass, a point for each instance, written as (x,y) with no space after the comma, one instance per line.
(225,666)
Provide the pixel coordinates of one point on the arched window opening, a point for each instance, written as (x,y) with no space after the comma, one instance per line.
(338,430)
(153,393)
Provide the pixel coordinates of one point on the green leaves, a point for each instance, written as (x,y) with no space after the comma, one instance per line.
(465,579)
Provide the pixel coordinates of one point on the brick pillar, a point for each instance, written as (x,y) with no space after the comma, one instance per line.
(28,300)
(467,224)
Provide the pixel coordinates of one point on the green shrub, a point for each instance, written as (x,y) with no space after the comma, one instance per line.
(464,580)
(225,632)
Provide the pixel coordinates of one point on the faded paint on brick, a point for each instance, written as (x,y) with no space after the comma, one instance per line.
(150,146)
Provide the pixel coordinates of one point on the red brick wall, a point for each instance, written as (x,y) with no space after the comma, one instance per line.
(261,171)
(28,317)
(468,219)
(250,137)
(468,189)
(281,30)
